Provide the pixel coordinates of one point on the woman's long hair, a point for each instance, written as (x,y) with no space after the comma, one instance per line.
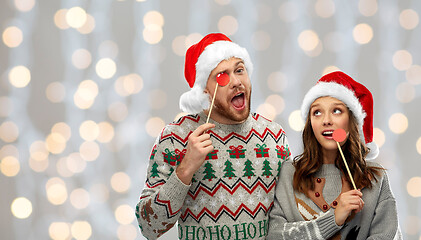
(310,161)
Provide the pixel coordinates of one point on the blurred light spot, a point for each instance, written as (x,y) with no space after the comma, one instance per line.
(106,132)
(378,137)
(367,7)
(153,17)
(308,40)
(106,68)
(179,45)
(334,41)
(55,143)
(9,166)
(179,115)
(12,36)
(325,8)
(24,5)
(63,129)
(89,130)
(5,106)
(89,25)
(108,49)
(21,208)
(267,111)
(412,225)
(55,92)
(81,230)
(99,193)
(157,99)
(402,60)
(81,58)
(9,150)
(117,111)
(413,75)
(129,84)
(315,52)
(9,131)
(362,33)
(152,34)
(277,102)
(277,81)
(223,2)
(329,69)
(408,19)
(75,163)
(79,198)
(19,76)
(85,95)
(56,191)
(295,121)
(289,11)
(89,151)
(405,92)
(59,230)
(419,145)
(261,40)
(60,19)
(120,182)
(62,168)
(228,25)
(154,126)
(398,123)
(413,187)
(76,17)
(38,151)
(38,165)
(124,214)
(127,232)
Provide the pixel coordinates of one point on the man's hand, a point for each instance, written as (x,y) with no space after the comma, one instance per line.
(198,146)
(348,201)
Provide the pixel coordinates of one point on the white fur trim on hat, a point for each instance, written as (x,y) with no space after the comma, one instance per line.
(374,151)
(340,92)
(195,100)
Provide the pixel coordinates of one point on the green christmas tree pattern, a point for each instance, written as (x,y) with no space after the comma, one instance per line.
(154,170)
(248,169)
(279,165)
(266,169)
(229,170)
(209,172)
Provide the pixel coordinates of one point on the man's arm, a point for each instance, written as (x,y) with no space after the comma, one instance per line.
(163,195)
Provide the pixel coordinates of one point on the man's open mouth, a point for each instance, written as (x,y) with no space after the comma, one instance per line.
(238,101)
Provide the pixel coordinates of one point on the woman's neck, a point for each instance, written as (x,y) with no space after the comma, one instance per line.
(329,156)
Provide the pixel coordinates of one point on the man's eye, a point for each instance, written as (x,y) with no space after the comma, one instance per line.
(240,70)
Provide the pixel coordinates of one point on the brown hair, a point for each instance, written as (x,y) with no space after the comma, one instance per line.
(309,162)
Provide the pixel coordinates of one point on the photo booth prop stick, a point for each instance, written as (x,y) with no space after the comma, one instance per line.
(221,79)
(339,135)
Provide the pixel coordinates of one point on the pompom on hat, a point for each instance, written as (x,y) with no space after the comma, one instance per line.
(201,59)
(357,98)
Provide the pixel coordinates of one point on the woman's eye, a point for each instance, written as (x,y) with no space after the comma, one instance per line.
(317,113)
(337,111)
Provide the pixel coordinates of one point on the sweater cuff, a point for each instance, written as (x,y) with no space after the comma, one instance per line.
(175,189)
(327,224)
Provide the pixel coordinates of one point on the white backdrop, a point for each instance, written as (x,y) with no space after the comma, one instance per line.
(86,86)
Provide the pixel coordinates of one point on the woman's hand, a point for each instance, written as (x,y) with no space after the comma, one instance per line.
(348,201)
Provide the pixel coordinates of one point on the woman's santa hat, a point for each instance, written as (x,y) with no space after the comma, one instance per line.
(201,59)
(357,98)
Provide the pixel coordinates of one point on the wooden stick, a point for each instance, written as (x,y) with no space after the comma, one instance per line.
(213,99)
(346,165)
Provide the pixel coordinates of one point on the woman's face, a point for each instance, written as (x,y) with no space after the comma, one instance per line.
(326,115)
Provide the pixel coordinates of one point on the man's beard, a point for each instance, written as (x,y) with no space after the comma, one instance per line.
(232,114)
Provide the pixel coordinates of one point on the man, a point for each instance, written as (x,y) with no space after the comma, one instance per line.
(216,179)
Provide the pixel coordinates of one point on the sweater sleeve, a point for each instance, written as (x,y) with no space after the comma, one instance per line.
(283,220)
(385,220)
(163,195)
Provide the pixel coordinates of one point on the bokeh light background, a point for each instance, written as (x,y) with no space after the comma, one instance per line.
(86,86)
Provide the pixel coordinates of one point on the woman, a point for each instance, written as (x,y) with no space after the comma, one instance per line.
(315,198)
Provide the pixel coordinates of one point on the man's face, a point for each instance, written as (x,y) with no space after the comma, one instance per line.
(232,101)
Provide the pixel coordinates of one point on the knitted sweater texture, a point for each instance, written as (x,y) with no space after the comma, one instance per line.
(230,194)
(295,216)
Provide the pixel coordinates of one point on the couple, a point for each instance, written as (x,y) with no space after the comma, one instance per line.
(233,178)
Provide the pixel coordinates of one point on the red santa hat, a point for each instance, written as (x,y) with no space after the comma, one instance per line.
(357,98)
(201,59)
